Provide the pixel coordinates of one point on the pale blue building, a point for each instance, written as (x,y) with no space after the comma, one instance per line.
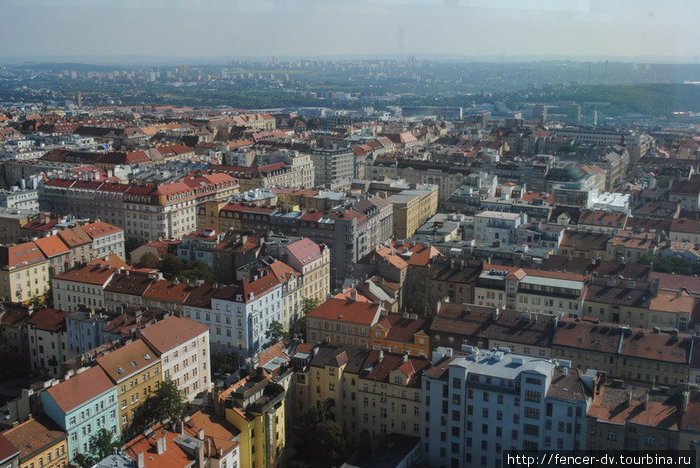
(82,405)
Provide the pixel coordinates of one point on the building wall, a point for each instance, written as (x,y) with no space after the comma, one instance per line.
(82,422)
(70,295)
(389,407)
(24,284)
(133,390)
(189,366)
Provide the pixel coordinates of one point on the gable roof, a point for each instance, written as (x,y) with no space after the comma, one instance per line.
(20,255)
(172,332)
(80,388)
(127,360)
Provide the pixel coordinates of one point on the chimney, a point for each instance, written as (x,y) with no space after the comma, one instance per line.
(629,398)
(685,400)
(646,400)
(161,446)
(200,434)
(353,294)
(381,355)
(404,358)
(140,460)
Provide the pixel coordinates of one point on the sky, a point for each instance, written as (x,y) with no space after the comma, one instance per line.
(282,28)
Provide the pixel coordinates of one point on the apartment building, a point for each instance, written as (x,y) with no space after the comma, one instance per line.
(106,239)
(343,319)
(183,347)
(326,372)
(256,408)
(82,286)
(401,333)
(284,169)
(135,372)
(237,315)
(633,354)
(332,165)
(145,212)
(41,442)
(128,287)
(496,227)
(350,233)
(389,394)
(313,261)
(81,406)
(291,281)
(635,419)
(527,290)
(48,341)
(412,208)
(24,272)
(479,404)
(199,245)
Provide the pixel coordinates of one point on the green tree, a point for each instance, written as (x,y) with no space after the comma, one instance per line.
(297,329)
(418,303)
(170,266)
(274,333)
(198,270)
(101,445)
(330,446)
(149,260)
(167,402)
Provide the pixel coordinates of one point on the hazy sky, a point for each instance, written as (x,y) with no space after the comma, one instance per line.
(231,28)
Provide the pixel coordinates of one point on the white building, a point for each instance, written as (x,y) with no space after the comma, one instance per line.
(106,239)
(536,291)
(183,347)
(479,404)
(491,227)
(81,287)
(239,314)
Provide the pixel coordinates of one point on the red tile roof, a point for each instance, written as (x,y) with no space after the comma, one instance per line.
(339,308)
(172,332)
(99,229)
(128,360)
(52,246)
(74,237)
(89,274)
(80,388)
(172,457)
(20,255)
(34,435)
(50,320)
(304,250)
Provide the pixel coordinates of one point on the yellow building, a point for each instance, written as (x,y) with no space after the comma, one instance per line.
(24,272)
(389,396)
(313,261)
(135,370)
(255,406)
(41,443)
(413,208)
(208,216)
(331,373)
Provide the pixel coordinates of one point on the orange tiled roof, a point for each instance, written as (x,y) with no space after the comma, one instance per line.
(80,388)
(172,332)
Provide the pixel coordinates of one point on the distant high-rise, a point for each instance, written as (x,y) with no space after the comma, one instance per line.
(80,99)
